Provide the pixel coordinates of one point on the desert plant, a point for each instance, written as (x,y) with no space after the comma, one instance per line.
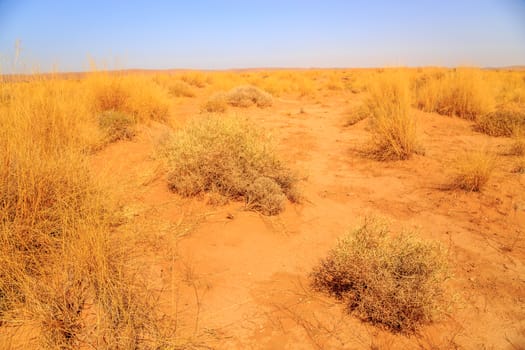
(179,88)
(62,273)
(473,170)
(394,132)
(135,95)
(247,95)
(217,103)
(462,92)
(117,126)
(502,122)
(392,280)
(231,156)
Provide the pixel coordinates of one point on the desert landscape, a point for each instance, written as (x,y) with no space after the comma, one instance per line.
(379,208)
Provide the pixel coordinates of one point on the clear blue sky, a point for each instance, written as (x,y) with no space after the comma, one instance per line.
(262,33)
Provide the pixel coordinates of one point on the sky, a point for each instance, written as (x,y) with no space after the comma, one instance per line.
(205,34)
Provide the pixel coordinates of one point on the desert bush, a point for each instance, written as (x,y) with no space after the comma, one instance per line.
(217,103)
(392,280)
(247,95)
(117,126)
(180,88)
(231,156)
(473,170)
(394,133)
(502,122)
(462,92)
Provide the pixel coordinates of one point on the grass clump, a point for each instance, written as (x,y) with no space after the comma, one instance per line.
(63,274)
(247,96)
(462,92)
(179,88)
(135,95)
(232,157)
(117,126)
(473,170)
(217,103)
(502,122)
(394,133)
(396,281)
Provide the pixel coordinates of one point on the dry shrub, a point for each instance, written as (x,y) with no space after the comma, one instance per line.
(502,122)
(473,170)
(462,92)
(135,95)
(217,103)
(179,88)
(392,280)
(117,126)
(394,133)
(247,96)
(231,156)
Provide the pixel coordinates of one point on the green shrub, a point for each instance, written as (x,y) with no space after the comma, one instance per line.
(392,280)
(232,157)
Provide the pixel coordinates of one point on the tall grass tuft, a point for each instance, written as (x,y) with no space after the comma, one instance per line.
(462,92)
(473,170)
(62,275)
(393,126)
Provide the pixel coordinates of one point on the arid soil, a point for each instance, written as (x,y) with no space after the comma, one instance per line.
(235,279)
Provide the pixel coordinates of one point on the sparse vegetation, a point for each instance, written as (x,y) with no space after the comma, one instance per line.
(393,126)
(229,155)
(392,280)
(473,170)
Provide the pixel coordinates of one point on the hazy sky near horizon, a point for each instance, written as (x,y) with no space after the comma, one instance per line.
(206,34)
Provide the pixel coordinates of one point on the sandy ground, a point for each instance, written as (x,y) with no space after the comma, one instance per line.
(238,280)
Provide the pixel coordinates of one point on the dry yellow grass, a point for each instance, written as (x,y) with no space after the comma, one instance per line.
(217,103)
(136,95)
(393,126)
(463,92)
(62,274)
(473,170)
